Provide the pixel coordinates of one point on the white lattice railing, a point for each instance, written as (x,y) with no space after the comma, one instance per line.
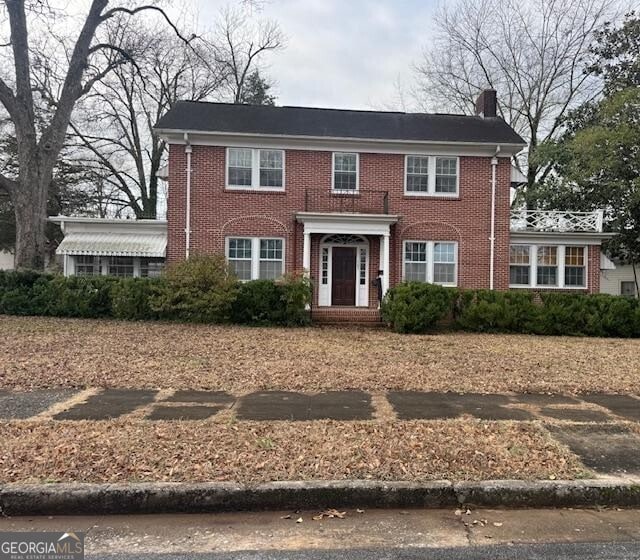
(556,220)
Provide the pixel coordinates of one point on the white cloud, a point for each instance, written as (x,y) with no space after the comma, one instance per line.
(343,53)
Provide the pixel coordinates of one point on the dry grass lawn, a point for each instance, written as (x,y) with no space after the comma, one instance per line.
(248,452)
(47,352)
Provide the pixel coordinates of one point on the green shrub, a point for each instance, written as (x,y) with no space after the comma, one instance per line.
(297,295)
(417,307)
(201,289)
(75,296)
(131,298)
(17,292)
(258,302)
(588,315)
(265,302)
(493,311)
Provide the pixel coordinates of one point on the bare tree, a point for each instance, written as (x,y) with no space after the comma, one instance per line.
(114,123)
(533,53)
(89,59)
(238,43)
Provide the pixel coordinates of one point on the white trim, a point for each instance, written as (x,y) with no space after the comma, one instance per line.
(325,290)
(533,267)
(431,188)
(558,238)
(255,170)
(333,143)
(353,224)
(255,253)
(429,263)
(333,174)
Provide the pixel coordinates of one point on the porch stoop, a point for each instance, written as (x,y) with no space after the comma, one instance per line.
(346,315)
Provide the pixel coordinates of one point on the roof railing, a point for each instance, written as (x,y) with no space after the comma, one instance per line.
(557,221)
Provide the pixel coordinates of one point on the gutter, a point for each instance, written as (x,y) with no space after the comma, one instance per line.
(492,235)
(187,228)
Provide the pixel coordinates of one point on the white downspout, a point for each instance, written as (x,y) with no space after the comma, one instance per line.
(492,237)
(187,228)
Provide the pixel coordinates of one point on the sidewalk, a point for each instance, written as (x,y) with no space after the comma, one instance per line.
(603,430)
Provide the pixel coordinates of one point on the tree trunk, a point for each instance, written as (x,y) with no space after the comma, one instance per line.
(30,207)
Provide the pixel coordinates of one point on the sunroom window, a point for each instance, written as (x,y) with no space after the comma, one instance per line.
(548,266)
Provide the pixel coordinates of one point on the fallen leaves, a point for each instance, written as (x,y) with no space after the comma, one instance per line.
(330,514)
(137,450)
(49,352)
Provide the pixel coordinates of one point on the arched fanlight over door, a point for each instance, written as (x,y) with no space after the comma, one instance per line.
(341,239)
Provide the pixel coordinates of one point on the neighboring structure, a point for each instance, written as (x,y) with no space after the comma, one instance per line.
(354,198)
(6,260)
(618,279)
(99,246)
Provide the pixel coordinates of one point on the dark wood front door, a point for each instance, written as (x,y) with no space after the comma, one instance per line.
(343,276)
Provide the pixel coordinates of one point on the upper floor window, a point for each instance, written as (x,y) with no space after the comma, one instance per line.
(431,175)
(547,266)
(345,172)
(253,258)
(251,168)
(431,261)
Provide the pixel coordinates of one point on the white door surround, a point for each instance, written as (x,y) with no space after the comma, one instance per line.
(325,285)
(330,223)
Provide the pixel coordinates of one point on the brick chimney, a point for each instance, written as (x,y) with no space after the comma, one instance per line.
(486,104)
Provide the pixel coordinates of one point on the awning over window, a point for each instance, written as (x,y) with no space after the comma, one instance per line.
(114,244)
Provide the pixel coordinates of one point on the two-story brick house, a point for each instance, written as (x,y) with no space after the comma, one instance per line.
(357,198)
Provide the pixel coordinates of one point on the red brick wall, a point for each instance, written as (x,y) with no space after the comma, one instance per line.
(217,213)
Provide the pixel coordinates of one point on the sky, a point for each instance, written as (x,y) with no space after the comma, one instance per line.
(343,53)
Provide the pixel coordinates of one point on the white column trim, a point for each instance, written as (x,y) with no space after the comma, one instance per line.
(306,254)
(384,245)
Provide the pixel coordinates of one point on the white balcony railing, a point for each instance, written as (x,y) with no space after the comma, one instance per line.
(556,220)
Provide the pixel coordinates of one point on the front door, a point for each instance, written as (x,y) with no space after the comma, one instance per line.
(343,276)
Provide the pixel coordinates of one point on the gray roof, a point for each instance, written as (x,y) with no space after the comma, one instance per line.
(335,123)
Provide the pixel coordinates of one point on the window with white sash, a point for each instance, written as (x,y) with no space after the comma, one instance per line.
(547,266)
(253,168)
(431,175)
(255,258)
(435,262)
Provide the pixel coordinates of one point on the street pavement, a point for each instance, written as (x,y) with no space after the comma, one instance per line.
(491,534)
(583,551)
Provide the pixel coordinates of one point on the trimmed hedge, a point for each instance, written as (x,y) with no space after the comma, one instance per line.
(416,307)
(202,291)
(264,302)
(419,308)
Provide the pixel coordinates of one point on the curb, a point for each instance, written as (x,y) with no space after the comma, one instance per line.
(168,497)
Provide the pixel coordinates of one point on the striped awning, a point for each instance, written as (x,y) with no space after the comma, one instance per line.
(114,244)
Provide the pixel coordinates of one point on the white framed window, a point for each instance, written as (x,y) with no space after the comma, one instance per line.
(345,176)
(121,266)
(575,267)
(435,262)
(431,175)
(548,266)
(519,265)
(255,168)
(256,258)
(87,265)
